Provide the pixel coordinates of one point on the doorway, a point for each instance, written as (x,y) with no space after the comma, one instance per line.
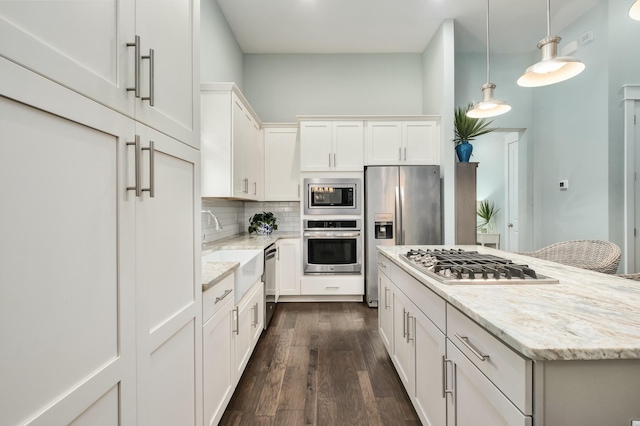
(511,192)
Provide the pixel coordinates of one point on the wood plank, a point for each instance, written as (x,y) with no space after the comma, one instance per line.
(370,403)
(270,393)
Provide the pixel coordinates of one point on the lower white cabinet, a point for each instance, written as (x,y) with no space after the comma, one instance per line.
(475,401)
(248,318)
(217,351)
(385,310)
(404,351)
(288,267)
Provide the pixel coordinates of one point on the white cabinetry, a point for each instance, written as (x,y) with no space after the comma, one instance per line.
(403,142)
(232,148)
(385,307)
(288,267)
(248,325)
(404,352)
(85,46)
(168,305)
(118,315)
(217,350)
(331,146)
(281,164)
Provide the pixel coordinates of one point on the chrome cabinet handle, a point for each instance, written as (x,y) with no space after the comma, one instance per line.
(404,323)
(400,154)
(225,294)
(473,349)
(152,61)
(137,175)
(386,298)
(136,76)
(253,316)
(382,265)
(256,313)
(152,162)
(329,159)
(409,317)
(445,391)
(237,316)
(334,159)
(405,153)
(255,188)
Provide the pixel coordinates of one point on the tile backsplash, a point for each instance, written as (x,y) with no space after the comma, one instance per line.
(234,216)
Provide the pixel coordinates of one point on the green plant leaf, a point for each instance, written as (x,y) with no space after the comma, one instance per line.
(468,128)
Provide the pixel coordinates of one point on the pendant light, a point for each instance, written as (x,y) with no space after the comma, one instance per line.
(552,68)
(488,107)
(634,11)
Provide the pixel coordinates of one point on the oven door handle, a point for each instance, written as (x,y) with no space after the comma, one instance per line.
(332,234)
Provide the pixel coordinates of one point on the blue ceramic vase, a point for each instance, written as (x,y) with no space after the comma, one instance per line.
(464,150)
(264,229)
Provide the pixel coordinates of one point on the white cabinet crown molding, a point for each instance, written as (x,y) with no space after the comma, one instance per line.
(367,117)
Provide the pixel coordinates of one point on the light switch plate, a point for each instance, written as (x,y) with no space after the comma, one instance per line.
(564,184)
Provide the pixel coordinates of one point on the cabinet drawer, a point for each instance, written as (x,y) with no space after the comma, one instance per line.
(432,305)
(384,264)
(334,285)
(508,370)
(214,298)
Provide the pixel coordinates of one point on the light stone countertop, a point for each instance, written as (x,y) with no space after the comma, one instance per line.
(587,316)
(214,272)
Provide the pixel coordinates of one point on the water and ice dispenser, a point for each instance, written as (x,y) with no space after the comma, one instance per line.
(383,226)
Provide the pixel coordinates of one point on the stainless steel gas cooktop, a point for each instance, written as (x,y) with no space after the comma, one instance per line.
(451,266)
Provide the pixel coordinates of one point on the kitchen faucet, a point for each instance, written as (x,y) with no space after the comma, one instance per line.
(215,219)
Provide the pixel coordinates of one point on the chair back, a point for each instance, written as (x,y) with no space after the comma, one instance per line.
(594,255)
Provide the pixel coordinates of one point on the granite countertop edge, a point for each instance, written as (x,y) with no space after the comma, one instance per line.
(586,316)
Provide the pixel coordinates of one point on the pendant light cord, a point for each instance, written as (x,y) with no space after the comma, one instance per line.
(548,18)
(488,75)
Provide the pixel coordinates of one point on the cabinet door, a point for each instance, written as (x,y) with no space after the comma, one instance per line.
(281,164)
(243,316)
(385,310)
(176,67)
(403,342)
(429,397)
(348,146)
(67,314)
(476,401)
(287,267)
(169,303)
(257,314)
(241,123)
(384,143)
(255,166)
(421,143)
(315,146)
(218,378)
(80,44)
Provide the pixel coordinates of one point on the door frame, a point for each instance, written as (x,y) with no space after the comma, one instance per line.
(631,95)
(509,138)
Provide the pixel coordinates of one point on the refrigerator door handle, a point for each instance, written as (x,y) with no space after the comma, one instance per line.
(398,214)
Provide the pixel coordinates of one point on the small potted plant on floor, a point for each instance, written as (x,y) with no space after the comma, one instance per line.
(467,129)
(487,212)
(262,223)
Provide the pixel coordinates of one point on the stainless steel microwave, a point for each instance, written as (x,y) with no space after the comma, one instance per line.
(332,196)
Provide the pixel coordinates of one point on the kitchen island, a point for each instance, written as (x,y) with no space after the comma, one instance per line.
(544,354)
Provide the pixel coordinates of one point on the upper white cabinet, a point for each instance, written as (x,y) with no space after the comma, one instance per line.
(331,146)
(281,164)
(403,142)
(232,148)
(117,53)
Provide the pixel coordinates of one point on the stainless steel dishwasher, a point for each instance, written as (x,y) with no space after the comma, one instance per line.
(269,279)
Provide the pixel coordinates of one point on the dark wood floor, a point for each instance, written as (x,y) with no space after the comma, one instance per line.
(320,364)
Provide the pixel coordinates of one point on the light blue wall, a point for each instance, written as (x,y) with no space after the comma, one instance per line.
(220,56)
(438,65)
(281,86)
(571,142)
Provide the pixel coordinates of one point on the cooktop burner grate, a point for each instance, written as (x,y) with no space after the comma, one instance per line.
(456,266)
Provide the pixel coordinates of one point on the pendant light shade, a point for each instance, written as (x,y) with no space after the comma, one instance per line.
(488,107)
(634,11)
(552,68)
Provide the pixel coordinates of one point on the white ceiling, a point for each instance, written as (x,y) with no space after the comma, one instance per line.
(386,26)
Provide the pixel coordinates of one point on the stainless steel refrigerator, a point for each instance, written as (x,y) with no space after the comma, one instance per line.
(402,207)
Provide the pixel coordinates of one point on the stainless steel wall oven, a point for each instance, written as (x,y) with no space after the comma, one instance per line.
(332,246)
(332,196)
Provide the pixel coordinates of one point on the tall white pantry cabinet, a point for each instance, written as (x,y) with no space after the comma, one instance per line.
(100,299)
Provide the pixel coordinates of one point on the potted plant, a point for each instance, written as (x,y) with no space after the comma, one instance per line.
(487,211)
(262,223)
(467,129)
